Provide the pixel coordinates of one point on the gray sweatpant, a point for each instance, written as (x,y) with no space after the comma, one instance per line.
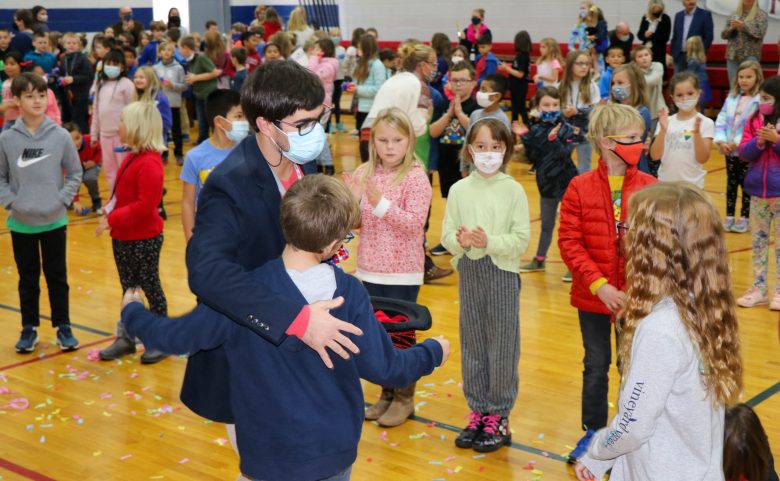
(90,179)
(489,335)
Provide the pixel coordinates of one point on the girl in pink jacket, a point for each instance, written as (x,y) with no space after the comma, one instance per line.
(113,91)
(322,62)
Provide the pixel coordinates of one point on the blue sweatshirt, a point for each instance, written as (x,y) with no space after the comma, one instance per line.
(46,60)
(296,420)
(149,55)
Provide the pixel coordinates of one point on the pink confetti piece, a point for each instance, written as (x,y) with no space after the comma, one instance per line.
(394,444)
(368,460)
(481,469)
(106,395)
(221,441)
(431,424)
(4,390)
(184,461)
(133,375)
(20,404)
(448,459)
(126,457)
(93,355)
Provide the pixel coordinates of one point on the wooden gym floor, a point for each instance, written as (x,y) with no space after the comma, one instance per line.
(69,417)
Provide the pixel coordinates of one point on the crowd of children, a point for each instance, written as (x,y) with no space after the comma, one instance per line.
(427,109)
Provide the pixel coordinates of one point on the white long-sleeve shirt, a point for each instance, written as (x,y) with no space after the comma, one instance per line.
(667,428)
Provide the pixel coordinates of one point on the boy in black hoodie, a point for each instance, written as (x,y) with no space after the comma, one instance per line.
(75,78)
(34,153)
(548,144)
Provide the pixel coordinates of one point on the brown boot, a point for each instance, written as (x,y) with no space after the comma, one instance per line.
(400,409)
(380,407)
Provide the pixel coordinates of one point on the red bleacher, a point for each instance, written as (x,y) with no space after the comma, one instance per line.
(716,65)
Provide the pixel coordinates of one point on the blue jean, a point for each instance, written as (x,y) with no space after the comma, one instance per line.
(733,65)
(584,156)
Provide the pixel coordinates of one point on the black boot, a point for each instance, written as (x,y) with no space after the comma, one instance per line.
(330,170)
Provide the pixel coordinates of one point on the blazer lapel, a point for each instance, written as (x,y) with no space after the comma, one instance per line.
(265,181)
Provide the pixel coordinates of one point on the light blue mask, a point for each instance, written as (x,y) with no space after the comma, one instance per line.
(238,131)
(303,148)
(620,93)
(112,71)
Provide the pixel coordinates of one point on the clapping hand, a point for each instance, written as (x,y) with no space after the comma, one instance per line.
(768,133)
(663,119)
(479,238)
(373,194)
(554,133)
(463,236)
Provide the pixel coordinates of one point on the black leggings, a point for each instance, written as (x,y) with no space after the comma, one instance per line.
(360,118)
(518,94)
(138,263)
(736,169)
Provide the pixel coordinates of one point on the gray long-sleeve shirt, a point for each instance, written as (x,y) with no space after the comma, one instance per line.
(667,427)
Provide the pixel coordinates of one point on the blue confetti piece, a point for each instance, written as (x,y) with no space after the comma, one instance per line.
(478,456)
(437,463)
(43,439)
(30,427)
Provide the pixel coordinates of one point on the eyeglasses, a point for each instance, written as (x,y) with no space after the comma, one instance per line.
(306,126)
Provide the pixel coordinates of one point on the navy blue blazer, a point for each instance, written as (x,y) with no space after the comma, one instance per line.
(236,231)
(701,26)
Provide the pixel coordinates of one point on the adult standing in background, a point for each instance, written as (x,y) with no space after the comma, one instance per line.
(623,38)
(174,21)
(40,19)
(126,24)
(272,23)
(299,26)
(744,35)
(23,24)
(690,22)
(470,34)
(655,30)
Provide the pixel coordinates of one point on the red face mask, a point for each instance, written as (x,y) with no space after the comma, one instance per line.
(629,153)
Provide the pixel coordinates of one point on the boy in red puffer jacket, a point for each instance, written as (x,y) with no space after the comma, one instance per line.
(90,158)
(590,238)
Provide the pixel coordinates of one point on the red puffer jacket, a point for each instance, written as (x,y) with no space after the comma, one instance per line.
(587,236)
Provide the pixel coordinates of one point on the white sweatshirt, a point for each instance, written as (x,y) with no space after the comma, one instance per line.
(667,428)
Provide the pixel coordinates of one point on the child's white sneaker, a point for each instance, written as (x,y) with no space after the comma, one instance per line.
(754,297)
(740,226)
(728,224)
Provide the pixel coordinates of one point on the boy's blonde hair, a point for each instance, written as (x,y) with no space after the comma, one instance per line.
(316,211)
(676,249)
(163,45)
(153,87)
(143,127)
(398,120)
(695,49)
(611,119)
(756,68)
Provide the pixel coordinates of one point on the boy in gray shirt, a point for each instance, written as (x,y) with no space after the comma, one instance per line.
(34,153)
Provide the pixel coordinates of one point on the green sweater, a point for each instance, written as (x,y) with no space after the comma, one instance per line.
(497,204)
(202,64)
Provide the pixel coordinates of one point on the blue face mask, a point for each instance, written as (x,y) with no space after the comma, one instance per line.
(620,93)
(303,148)
(549,116)
(238,131)
(112,71)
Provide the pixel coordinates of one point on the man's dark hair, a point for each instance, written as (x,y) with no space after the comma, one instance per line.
(219,103)
(240,54)
(497,82)
(211,23)
(28,81)
(37,35)
(276,90)
(247,35)
(328,47)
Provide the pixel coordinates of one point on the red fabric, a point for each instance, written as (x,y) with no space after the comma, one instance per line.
(480,66)
(138,192)
(87,152)
(270,29)
(253,60)
(587,237)
(382,316)
(301,322)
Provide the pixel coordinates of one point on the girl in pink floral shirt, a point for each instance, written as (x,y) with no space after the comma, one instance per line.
(394,195)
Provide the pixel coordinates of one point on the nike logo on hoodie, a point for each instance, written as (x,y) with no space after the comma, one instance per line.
(30,157)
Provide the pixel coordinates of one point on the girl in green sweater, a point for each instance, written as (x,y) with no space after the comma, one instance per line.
(487,229)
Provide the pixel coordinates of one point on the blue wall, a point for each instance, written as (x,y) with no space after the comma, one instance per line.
(97,19)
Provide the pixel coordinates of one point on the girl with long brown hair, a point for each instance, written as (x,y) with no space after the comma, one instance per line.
(679,346)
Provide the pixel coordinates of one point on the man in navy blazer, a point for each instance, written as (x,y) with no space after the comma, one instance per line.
(690,22)
(237,230)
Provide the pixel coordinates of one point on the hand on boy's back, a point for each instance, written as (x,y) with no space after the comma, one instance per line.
(325,331)
(445,348)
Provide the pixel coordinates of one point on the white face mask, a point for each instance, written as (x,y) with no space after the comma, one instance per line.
(484,99)
(487,162)
(457,59)
(687,105)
